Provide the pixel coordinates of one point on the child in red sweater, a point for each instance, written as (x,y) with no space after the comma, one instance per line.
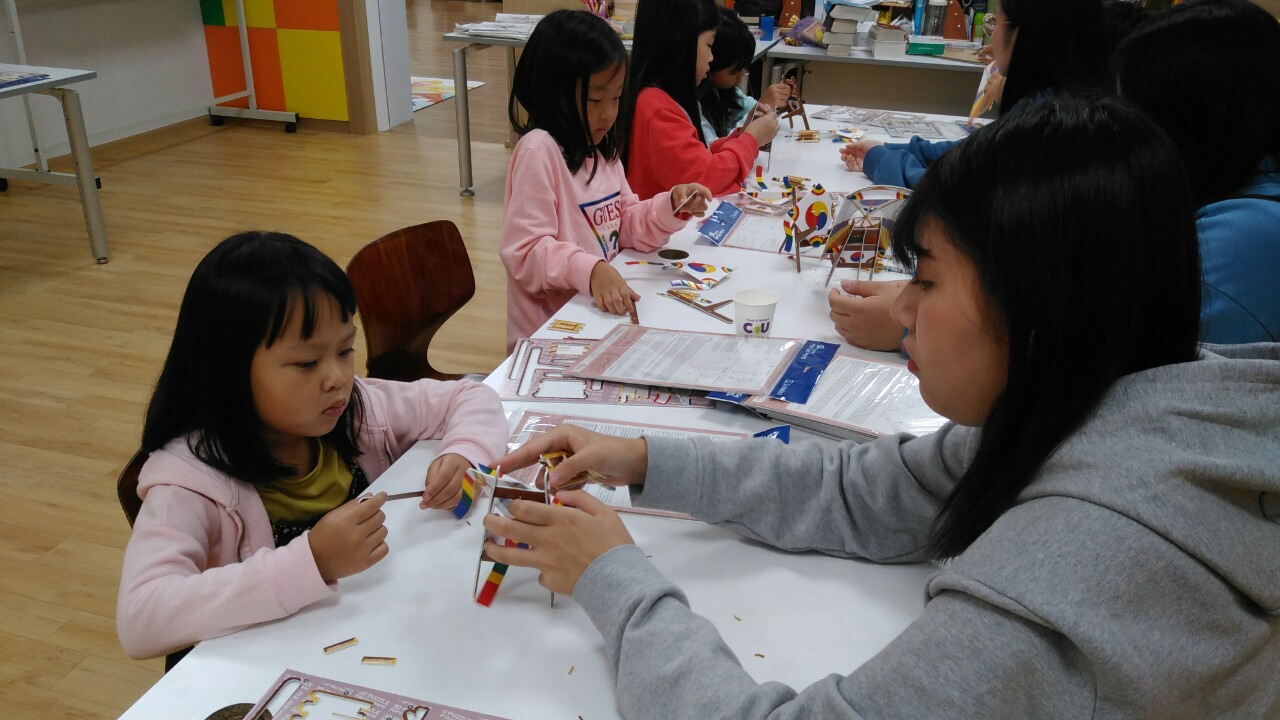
(670,57)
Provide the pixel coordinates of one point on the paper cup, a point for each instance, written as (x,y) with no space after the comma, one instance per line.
(753,311)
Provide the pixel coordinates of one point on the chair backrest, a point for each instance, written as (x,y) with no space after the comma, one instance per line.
(408,283)
(127,487)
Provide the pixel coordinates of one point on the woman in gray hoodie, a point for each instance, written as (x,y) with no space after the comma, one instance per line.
(1105,503)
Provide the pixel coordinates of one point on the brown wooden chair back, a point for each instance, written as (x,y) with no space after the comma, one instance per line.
(408,283)
(127,487)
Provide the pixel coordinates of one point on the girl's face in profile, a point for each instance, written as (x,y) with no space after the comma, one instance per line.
(705,40)
(604,93)
(955,340)
(727,78)
(301,386)
(1002,39)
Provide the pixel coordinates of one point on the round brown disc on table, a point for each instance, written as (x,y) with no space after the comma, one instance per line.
(672,254)
(238,712)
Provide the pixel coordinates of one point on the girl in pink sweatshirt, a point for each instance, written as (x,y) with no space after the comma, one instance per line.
(568,206)
(261,439)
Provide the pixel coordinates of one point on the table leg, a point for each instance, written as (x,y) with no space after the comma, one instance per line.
(464,121)
(85,178)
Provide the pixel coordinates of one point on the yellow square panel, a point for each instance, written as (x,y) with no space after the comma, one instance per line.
(311,67)
(257,13)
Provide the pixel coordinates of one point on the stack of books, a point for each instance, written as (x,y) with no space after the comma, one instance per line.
(888,41)
(840,28)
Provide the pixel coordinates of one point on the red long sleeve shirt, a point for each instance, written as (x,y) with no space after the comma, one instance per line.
(665,150)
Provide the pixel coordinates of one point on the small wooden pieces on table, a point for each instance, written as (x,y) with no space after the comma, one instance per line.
(810,136)
(565,326)
(377,660)
(349,642)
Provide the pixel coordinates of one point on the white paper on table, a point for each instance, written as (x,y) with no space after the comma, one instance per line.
(693,360)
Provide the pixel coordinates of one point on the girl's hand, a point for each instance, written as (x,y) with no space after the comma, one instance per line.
(763,128)
(350,538)
(854,154)
(444,482)
(624,461)
(610,292)
(689,200)
(862,317)
(776,95)
(563,541)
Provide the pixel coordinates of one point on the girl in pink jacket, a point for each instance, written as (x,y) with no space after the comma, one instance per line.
(261,439)
(569,208)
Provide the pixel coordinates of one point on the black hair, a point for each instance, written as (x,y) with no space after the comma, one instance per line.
(1060,45)
(240,298)
(1229,52)
(733,49)
(664,54)
(565,49)
(1119,19)
(1043,202)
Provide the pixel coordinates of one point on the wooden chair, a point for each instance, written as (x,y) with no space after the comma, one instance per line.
(131,504)
(408,283)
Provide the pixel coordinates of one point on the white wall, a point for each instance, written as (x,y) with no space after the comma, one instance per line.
(153,69)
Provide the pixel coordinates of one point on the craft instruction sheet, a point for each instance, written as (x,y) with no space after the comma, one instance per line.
(699,361)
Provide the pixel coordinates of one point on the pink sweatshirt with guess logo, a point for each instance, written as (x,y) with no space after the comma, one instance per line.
(558,226)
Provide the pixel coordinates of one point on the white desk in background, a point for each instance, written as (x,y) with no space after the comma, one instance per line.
(474,43)
(84,177)
(808,53)
(808,614)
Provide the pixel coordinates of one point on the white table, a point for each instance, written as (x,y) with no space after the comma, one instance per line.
(83,177)
(514,658)
(808,53)
(475,43)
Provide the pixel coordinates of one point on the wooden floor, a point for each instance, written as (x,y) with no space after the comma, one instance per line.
(81,344)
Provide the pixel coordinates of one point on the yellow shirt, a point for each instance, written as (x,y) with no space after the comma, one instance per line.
(312,495)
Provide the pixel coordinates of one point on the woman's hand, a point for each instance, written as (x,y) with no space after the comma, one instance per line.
(610,292)
(689,200)
(854,154)
(763,128)
(444,482)
(776,95)
(350,538)
(862,317)
(623,461)
(563,541)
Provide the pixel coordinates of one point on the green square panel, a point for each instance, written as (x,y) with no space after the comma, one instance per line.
(211,13)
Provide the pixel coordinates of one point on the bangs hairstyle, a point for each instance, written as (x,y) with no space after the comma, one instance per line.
(664,54)
(1231,46)
(551,79)
(241,297)
(1061,45)
(1032,201)
(732,51)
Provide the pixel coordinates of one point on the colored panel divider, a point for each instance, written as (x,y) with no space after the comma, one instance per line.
(296,52)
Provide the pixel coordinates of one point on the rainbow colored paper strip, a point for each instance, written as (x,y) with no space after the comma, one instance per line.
(760,178)
(468,497)
(494,581)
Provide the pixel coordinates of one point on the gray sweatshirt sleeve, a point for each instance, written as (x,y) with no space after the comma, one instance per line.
(870,500)
(964,658)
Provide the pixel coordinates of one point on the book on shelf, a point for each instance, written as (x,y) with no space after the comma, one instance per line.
(840,49)
(854,10)
(882,32)
(841,26)
(855,398)
(840,38)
